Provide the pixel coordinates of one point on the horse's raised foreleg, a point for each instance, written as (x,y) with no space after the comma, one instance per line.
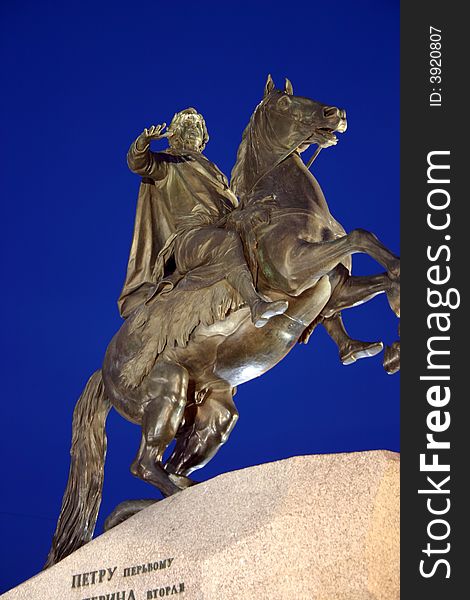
(163,413)
(213,422)
(349,291)
(304,262)
(350,349)
(328,254)
(392,358)
(353,290)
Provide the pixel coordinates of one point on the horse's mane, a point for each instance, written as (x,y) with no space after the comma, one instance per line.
(237,178)
(263,146)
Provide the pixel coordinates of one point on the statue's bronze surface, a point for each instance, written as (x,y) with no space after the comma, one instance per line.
(218,292)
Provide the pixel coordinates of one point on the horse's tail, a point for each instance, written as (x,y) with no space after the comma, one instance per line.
(82,495)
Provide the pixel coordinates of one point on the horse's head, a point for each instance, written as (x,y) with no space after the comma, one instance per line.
(297,120)
(281,124)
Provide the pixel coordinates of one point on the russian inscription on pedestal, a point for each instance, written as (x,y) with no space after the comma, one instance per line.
(105,575)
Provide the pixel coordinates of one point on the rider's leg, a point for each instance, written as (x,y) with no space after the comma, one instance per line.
(167,388)
(261,310)
(223,249)
(213,422)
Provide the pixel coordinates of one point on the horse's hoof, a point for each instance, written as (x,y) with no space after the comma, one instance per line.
(357,350)
(392,358)
(155,474)
(394,270)
(393,297)
(181,481)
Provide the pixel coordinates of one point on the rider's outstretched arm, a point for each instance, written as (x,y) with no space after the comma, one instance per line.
(142,160)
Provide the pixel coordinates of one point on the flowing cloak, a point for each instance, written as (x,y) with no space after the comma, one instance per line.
(174,185)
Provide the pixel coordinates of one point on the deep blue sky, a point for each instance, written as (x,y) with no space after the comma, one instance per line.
(80,81)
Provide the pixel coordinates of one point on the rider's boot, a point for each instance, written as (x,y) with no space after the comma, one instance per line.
(349,350)
(261,310)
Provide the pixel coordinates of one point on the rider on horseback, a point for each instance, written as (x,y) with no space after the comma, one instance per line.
(182,197)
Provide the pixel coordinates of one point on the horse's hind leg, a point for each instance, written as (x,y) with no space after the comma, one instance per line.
(213,422)
(163,413)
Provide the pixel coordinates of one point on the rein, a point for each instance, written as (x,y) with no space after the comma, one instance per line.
(308,165)
(314,156)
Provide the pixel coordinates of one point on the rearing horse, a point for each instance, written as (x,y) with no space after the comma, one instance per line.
(173,366)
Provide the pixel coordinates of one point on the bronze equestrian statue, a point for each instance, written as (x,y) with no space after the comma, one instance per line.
(189,338)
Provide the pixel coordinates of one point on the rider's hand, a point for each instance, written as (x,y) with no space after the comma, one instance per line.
(154,132)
